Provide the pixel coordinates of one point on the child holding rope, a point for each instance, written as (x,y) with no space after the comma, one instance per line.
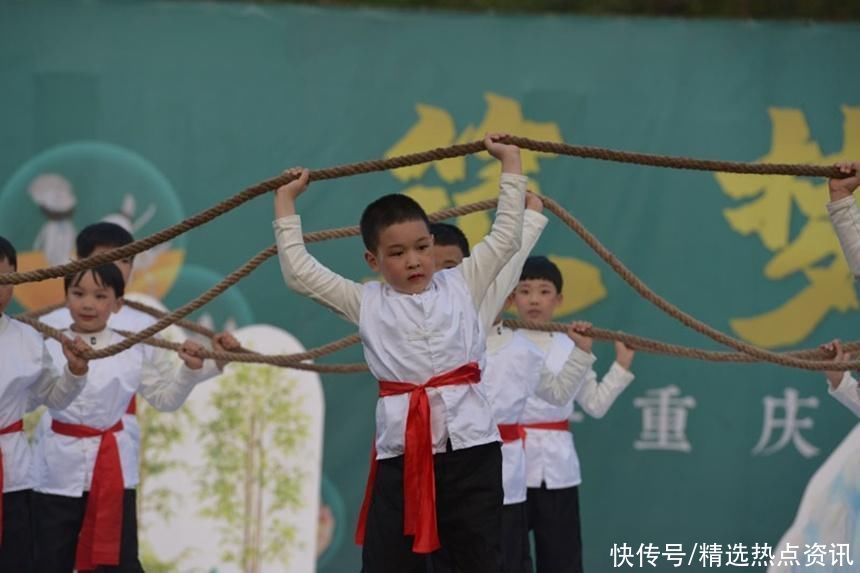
(515,370)
(437,453)
(28,378)
(845,216)
(86,466)
(93,240)
(552,466)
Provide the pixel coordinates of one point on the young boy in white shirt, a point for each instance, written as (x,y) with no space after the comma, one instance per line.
(515,370)
(85,465)
(552,465)
(437,444)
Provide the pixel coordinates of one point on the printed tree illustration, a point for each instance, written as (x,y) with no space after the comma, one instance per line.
(159,432)
(248,485)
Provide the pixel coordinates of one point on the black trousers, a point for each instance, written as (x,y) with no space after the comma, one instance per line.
(468,512)
(16,551)
(553,515)
(516,553)
(58,521)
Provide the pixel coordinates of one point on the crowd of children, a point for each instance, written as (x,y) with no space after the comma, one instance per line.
(456,386)
(473,448)
(69,501)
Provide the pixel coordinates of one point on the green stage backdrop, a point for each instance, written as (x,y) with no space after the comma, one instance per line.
(182,104)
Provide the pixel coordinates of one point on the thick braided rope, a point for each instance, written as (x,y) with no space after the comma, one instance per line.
(310,354)
(294,361)
(248,268)
(552,206)
(637,342)
(675,312)
(651,346)
(231,203)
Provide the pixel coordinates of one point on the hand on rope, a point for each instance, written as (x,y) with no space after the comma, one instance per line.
(73,351)
(845,187)
(840,356)
(190,353)
(578,331)
(458,150)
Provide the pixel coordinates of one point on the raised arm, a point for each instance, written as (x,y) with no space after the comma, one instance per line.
(493,253)
(845,214)
(534,223)
(302,272)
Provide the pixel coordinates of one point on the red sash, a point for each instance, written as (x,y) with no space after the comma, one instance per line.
(561,426)
(132,406)
(512,432)
(419,482)
(10,429)
(101,532)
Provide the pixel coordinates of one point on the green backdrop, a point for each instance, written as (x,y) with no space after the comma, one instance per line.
(219,96)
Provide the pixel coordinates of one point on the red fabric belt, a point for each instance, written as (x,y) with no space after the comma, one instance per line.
(101,532)
(419,483)
(561,426)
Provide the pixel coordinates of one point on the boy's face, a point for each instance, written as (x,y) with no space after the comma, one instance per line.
(125,265)
(91,304)
(5,290)
(447,256)
(404,256)
(536,299)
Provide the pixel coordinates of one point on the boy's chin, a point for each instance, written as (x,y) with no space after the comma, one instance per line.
(413,287)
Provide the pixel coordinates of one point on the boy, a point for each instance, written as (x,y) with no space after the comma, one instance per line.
(424,342)
(86,466)
(515,370)
(94,240)
(552,465)
(28,378)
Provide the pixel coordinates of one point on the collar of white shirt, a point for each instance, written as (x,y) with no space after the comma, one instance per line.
(94,339)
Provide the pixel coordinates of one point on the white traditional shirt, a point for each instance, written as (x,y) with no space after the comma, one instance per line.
(413,337)
(63,464)
(550,454)
(516,369)
(28,378)
(127,319)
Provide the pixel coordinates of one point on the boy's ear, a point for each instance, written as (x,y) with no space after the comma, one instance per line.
(372,261)
(559,298)
(508,302)
(117,305)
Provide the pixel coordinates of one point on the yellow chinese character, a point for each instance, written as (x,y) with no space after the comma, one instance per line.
(814,251)
(436,128)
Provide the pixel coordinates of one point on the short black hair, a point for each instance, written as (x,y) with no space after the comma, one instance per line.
(386,211)
(446,235)
(541,268)
(101,234)
(107,275)
(8,253)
